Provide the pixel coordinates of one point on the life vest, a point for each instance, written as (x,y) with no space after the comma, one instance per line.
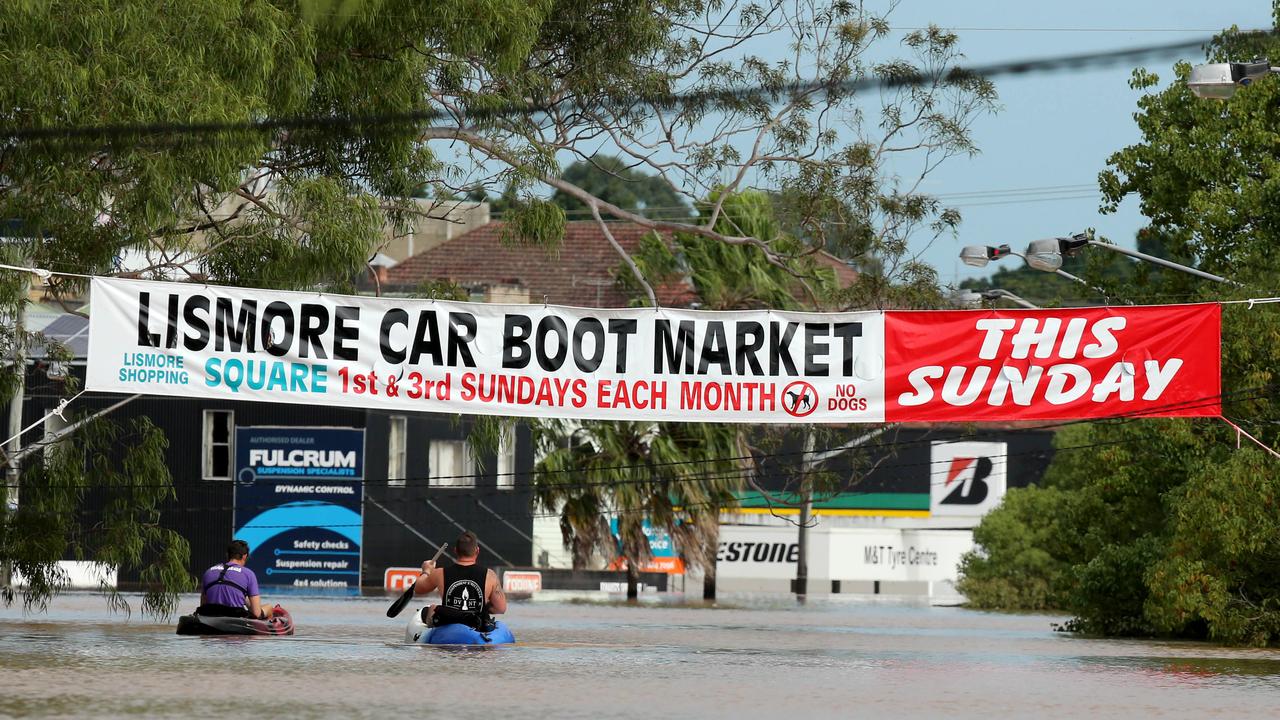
(222,580)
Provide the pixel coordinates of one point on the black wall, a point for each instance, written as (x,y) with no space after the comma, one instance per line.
(203,511)
(898,461)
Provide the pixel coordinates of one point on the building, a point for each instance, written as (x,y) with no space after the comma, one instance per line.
(420,484)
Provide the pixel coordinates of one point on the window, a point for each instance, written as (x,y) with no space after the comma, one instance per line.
(217,444)
(396,435)
(451,464)
(507,457)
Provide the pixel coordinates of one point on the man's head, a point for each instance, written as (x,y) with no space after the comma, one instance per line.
(467,546)
(238,550)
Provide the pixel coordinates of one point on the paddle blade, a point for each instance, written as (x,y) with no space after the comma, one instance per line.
(399,604)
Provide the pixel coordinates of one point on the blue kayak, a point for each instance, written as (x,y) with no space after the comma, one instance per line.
(456,634)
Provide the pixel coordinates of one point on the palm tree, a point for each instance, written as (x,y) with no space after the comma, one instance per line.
(679,476)
(738,277)
(675,475)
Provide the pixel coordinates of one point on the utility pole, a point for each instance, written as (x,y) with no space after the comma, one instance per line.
(19,358)
(807,464)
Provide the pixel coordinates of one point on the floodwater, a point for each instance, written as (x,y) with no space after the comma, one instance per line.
(759,657)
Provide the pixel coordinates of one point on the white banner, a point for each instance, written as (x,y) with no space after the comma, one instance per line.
(649,364)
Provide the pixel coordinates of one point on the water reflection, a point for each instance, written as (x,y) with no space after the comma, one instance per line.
(751,657)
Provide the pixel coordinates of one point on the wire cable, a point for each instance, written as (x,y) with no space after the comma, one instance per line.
(657,101)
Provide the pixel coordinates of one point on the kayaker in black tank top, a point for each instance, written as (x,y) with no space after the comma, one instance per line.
(470,593)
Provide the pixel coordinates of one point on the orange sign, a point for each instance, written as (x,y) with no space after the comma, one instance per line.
(522,581)
(668,565)
(399,578)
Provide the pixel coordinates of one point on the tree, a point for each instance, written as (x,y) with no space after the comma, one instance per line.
(317,139)
(608,178)
(270,209)
(674,476)
(1178,538)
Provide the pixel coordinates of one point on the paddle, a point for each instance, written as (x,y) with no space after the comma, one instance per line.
(399,604)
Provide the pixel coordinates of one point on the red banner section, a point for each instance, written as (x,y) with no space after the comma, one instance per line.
(1076,363)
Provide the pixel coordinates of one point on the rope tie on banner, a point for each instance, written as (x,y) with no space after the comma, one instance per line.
(62,406)
(1240,431)
(38,272)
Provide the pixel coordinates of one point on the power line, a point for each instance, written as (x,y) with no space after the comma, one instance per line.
(771,27)
(473,494)
(1244,395)
(656,101)
(1018,201)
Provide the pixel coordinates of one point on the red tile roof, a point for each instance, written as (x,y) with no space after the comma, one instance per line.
(579,272)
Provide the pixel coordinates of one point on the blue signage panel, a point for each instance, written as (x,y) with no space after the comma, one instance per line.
(660,542)
(300,504)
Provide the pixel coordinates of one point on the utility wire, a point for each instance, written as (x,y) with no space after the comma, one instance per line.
(715,97)
(436,481)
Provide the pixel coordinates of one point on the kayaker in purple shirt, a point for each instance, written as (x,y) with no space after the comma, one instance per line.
(230,589)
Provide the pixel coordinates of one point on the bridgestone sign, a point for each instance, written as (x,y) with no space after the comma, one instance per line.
(191,340)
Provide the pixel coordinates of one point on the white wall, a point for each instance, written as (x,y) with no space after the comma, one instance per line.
(79,575)
(762,558)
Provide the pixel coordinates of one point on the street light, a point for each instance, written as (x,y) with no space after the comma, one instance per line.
(980,255)
(1047,255)
(1219,81)
(972,299)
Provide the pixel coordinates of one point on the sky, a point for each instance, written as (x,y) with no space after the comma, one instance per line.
(1053,130)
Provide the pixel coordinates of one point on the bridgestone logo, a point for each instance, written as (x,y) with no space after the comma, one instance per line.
(758,552)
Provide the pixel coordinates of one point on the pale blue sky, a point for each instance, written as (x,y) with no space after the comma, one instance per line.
(1054,129)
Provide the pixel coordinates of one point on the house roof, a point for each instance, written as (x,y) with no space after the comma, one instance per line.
(67,329)
(581,272)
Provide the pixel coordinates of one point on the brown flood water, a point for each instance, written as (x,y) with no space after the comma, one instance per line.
(760,657)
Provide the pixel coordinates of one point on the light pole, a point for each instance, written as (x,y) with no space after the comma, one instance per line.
(1047,255)
(1219,81)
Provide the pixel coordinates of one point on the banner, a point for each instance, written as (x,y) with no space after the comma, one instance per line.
(650,364)
(299,503)
(1072,363)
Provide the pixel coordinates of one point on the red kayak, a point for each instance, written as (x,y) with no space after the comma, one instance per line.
(281,623)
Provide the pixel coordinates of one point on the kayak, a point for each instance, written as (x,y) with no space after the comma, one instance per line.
(456,634)
(281,623)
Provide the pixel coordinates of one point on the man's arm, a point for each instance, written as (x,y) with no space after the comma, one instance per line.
(429,580)
(497,598)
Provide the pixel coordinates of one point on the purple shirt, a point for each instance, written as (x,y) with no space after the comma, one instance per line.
(229,592)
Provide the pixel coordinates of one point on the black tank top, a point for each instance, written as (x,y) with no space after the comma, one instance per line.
(464,588)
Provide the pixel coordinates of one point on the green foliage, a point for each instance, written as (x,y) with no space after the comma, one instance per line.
(610,179)
(534,222)
(675,475)
(1219,572)
(1176,532)
(1110,592)
(304,205)
(1027,550)
(51,524)
(738,276)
